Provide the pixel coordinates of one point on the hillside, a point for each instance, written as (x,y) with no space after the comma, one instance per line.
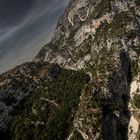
(84,84)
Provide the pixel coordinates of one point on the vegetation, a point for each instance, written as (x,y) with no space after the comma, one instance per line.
(102,7)
(138,134)
(118,25)
(134,68)
(136,101)
(49,112)
(85,49)
(117,28)
(136,49)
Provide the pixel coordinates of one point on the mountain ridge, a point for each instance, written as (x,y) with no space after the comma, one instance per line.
(97,40)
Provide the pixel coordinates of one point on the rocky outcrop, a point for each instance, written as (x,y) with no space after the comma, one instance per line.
(134,107)
(102,39)
(18,84)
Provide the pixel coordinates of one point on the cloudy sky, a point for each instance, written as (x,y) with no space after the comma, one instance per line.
(25,26)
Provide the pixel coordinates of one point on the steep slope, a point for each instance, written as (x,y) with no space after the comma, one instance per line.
(88,26)
(38,101)
(101,38)
(53,98)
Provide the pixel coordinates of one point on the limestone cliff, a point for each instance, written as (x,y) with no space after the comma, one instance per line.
(99,38)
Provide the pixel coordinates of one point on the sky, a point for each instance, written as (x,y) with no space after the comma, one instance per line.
(25,27)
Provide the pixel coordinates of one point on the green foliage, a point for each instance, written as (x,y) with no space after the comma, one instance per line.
(136,49)
(39,119)
(134,68)
(117,28)
(96,103)
(118,25)
(131,34)
(136,101)
(102,7)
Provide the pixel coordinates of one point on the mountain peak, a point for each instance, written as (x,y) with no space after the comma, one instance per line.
(87,77)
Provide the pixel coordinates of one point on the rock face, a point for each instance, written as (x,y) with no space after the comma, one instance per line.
(102,39)
(134,107)
(89,26)
(16,85)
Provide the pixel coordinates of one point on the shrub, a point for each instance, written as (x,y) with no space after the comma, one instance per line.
(136,101)
(134,68)
(64,89)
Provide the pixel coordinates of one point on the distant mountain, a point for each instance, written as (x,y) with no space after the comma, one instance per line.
(84,84)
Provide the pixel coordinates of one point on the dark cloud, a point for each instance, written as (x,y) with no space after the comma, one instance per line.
(33,29)
(12,12)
